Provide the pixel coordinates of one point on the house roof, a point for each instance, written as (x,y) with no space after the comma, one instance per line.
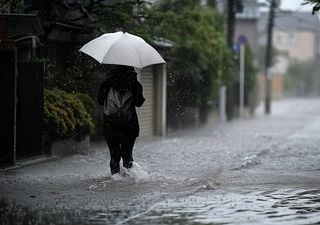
(291,21)
(22,25)
(163,43)
(288,22)
(59,35)
(250,10)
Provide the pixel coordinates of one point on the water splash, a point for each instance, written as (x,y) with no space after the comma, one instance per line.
(138,174)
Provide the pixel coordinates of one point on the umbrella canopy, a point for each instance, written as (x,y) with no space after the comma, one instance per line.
(122,48)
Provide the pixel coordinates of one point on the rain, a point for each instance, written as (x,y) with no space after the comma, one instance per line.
(229,127)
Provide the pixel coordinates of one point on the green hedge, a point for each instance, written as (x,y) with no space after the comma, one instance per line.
(65,116)
(89,105)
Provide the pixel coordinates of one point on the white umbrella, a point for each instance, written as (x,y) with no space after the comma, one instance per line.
(122,48)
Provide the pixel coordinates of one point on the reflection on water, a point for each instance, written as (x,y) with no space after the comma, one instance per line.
(11,214)
(286,206)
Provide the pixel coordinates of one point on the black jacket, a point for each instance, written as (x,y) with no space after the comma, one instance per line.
(130,129)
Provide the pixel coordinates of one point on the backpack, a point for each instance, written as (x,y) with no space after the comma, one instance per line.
(118,108)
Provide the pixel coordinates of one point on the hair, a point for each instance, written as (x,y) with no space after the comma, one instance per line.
(124,69)
(122,77)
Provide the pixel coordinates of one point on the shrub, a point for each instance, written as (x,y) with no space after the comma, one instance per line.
(89,105)
(65,117)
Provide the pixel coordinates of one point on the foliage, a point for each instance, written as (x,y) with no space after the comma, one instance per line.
(249,68)
(125,16)
(199,56)
(11,6)
(47,8)
(89,105)
(77,77)
(315,3)
(302,79)
(65,117)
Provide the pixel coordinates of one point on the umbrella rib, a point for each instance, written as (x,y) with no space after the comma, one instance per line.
(136,49)
(109,49)
(137,53)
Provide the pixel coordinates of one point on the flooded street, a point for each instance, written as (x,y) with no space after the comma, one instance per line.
(283,206)
(260,170)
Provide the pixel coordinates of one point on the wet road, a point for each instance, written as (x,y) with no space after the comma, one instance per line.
(261,170)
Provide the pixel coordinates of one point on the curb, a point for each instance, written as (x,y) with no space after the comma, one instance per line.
(26,162)
(9,168)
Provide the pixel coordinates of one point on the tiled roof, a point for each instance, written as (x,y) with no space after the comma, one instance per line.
(292,21)
(22,25)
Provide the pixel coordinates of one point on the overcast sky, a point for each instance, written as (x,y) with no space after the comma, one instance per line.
(294,5)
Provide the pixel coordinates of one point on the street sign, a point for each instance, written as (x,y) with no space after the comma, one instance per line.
(242,39)
(236,47)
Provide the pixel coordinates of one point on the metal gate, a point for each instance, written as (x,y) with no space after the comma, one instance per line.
(8,59)
(146,112)
(29,110)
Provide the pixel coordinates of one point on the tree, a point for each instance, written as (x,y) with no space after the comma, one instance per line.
(302,79)
(199,57)
(127,16)
(78,76)
(315,3)
(12,6)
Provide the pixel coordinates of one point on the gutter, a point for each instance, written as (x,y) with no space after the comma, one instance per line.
(164,43)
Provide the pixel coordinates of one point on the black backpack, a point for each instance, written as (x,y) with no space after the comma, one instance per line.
(118,107)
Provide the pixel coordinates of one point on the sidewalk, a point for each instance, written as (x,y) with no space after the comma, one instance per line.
(29,161)
(213,120)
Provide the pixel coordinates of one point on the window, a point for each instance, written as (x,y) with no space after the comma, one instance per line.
(279,39)
(291,39)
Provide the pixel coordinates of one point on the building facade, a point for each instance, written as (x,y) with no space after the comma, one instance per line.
(295,38)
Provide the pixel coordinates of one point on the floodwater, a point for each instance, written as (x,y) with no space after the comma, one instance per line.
(261,170)
(283,206)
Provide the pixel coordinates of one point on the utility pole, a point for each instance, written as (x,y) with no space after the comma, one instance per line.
(268,61)
(230,36)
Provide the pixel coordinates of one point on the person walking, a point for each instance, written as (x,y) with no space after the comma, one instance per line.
(120,93)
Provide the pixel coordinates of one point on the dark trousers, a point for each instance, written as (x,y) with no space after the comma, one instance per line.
(120,148)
